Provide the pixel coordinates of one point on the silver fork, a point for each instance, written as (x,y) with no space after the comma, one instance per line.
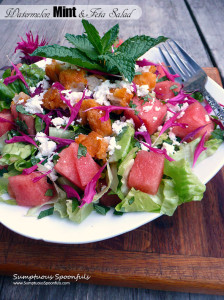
(194,78)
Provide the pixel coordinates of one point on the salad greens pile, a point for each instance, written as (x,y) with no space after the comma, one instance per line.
(23,153)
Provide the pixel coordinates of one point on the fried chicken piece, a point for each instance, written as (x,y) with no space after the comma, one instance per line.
(147,78)
(72,78)
(95,144)
(52,99)
(93,118)
(53,70)
(120,97)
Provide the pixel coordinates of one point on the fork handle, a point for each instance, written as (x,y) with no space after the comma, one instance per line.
(218,110)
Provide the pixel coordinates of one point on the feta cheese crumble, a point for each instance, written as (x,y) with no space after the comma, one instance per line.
(142,90)
(101,92)
(46,146)
(33,105)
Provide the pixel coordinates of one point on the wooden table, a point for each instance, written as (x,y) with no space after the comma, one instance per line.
(183,253)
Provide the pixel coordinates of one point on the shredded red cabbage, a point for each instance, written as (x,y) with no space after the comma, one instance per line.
(27,47)
(35,179)
(217,122)
(192,134)
(159,151)
(70,191)
(146,136)
(46,118)
(18,75)
(107,110)
(134,87)
(180,98)
(61,141)
(3,120)
(171,122)
(23,138)
(200,148)
(168,74)
(101,73)
(30,170)
(208,108)
(90,189)
(221,104)
(58,86)
(73,109)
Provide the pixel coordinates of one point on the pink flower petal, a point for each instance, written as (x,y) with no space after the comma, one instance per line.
(200,148)
(27,47)
(171,123)
(18,75)
(90,189)
(3,120)
(217,122)
(208,108)
(180,98)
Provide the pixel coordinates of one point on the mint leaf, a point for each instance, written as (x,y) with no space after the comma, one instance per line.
(101,209)
(70,55)
(164,78)
(75,204)
(109,38)
(21,109)
(49,193)
(138,45)
(123,63)
(45,213)
(93,36)
(83,44)
(218,134)
(82,151)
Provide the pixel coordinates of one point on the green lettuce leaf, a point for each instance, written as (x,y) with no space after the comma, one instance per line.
(79,214)
(61,133)
(2,141)
(186,184)
(125,142)
(15,151)
(170,198)
(187,150)
(138,201)
(4,190)
(32,74)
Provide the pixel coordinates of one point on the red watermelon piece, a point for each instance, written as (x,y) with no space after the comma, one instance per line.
(147,172)
(164,89)
(80,171)
(26,192)
(152,113)
(160,71)
(195,116)
(5,126)
(29,120)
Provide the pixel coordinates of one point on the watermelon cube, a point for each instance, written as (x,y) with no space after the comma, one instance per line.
(152,113)
(29,120)
(5,126)
(80,171)
(147,172)
(26,192)
(160,71)
(195,116)
(165,89)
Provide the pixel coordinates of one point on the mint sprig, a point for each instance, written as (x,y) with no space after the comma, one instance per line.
(92,52)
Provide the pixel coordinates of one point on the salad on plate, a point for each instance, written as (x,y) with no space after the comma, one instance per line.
(98,126)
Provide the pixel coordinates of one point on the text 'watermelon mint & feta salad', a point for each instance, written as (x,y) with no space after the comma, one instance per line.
(99,127)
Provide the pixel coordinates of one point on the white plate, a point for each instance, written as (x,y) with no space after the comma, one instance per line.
(97,227)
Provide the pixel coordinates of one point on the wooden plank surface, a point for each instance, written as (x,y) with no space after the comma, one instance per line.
(180,253)
(196,229)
